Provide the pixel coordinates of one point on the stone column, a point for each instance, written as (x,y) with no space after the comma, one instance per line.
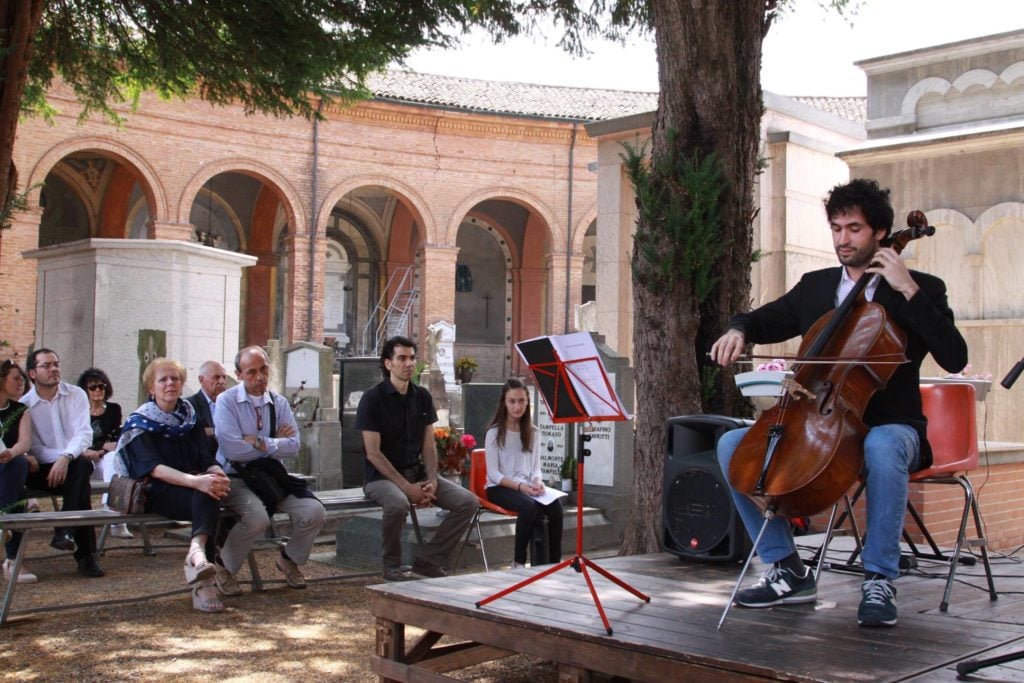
(556,293)
(296,306)
(169,230)
(437,285)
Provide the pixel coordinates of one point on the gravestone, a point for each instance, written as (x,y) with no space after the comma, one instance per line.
(442,352)
(309,387)
(552,440)
(356,375)
(479,401)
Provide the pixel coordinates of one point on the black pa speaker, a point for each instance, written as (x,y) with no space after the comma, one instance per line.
(699,518)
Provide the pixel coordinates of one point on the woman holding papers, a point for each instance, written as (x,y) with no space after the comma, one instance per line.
(513,472)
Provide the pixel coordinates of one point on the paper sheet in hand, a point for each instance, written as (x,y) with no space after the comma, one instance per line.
(549,496)
(589,395)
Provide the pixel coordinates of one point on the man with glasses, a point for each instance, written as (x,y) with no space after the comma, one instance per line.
(61,433)
(253,424)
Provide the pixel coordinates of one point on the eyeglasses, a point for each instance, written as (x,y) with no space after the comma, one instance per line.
(259,419)
(46,366)
(97,387)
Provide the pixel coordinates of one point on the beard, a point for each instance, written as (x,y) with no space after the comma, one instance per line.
(860,258)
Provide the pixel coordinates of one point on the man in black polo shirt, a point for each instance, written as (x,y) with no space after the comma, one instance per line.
(397,419)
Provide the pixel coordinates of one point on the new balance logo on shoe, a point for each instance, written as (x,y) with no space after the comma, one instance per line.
(779,586)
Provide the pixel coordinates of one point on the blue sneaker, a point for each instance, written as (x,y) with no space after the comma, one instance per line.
(779,586)
(878,602)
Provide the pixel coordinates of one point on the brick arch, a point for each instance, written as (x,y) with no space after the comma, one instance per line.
(146,176)
(405,194)
(519,197)
(580,229)
(279,184)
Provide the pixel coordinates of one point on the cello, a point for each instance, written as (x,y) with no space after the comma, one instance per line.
(804,453)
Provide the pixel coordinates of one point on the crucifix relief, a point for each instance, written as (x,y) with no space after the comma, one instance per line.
(487,309)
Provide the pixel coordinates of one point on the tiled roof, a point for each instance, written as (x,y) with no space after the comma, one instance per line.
(522,99)
(850,108)
(549,101)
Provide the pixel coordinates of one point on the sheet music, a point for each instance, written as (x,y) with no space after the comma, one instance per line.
(587,374)
(583,367)
(549,496)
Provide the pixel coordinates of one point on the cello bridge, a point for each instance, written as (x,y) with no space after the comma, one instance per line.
(796,390)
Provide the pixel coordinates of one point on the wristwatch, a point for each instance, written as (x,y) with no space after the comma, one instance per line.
(68,456)
(259,442)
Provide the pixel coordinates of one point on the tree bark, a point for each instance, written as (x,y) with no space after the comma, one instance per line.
(709,61)
(20,21)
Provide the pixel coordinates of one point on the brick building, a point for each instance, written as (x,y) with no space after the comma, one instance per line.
(434,175)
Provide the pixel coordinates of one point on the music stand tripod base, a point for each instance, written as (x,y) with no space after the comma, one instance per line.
(579,561)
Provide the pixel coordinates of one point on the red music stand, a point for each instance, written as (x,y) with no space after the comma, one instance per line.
(575,390)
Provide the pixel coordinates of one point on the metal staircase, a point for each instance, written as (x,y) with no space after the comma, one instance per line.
(390,318)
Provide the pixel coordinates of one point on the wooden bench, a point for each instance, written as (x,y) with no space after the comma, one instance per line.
(333,501)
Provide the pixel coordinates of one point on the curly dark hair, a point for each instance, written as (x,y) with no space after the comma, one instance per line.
(865,194)
(387,352)
(96,375)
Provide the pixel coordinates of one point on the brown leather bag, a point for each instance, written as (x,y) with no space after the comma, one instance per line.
(126,495)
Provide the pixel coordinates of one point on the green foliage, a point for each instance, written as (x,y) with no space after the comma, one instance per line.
(418,372)
(267,55)
(678,218)
(18,201)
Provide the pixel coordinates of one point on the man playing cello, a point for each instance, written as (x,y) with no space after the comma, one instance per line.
(860,217)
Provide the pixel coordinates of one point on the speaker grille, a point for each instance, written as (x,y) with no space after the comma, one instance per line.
(697,511)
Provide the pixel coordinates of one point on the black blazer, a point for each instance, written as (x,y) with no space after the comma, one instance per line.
(926,319)
(204,417)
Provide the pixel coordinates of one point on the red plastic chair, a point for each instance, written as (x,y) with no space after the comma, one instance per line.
(478,485)
(953,435)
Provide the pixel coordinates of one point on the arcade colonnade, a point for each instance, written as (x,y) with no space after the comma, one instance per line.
(331,209)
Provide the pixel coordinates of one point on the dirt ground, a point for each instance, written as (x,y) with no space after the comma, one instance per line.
(323,633)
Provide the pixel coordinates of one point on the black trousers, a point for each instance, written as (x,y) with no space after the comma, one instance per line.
(76,496)
(529,514)
(179,502)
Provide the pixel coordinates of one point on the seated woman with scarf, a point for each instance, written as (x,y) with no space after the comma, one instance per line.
(162,441)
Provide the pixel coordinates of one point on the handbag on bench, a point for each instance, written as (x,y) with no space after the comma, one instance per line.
(127,496)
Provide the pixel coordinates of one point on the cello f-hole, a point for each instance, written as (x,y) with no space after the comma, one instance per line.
(825,406)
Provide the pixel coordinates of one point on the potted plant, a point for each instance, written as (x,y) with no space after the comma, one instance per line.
(465,366)
(568,473)
(452,452)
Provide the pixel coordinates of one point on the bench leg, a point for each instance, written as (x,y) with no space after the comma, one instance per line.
(257,580)
(13,583)
(102,541)
(416,526)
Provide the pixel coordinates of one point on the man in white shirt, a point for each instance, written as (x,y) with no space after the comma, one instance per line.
(253,424)
(61,433)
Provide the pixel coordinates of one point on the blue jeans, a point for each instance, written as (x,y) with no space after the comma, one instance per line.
(891,453)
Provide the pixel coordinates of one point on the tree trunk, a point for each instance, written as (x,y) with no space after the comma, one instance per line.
(20,21)
(709,61)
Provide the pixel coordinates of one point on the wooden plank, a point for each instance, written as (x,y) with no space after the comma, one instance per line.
(678,626)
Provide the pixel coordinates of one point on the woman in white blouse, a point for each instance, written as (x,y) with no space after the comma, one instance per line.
(513,472)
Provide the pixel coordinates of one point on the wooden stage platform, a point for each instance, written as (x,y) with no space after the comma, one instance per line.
(674,637)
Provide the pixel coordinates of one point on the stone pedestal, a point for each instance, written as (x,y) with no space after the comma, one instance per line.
(95,296)
(358,538)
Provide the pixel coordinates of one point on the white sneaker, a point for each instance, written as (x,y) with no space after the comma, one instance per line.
(24,576)
(120,531)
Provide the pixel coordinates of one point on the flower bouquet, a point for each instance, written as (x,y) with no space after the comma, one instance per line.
(452,450)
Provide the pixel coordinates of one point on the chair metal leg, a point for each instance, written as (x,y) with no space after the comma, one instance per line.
(465,541)
(979,527)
